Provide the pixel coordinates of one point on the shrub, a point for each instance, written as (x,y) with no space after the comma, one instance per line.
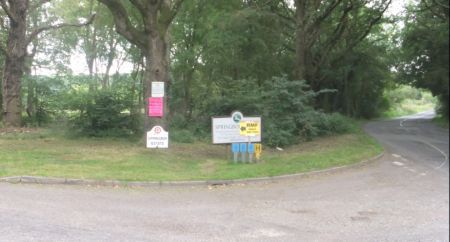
(105,113)
(286,108)
(181,136)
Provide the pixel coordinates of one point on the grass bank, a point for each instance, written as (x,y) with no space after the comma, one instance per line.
(40,153)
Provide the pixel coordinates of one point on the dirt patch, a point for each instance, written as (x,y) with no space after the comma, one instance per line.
(4,131)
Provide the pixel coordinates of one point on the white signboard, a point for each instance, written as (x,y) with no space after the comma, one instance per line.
(157,138)
(226,130)
(157,89)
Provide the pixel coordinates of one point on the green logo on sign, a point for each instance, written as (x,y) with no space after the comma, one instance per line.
(236,116)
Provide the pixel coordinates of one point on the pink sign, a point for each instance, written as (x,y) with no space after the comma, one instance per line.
(155,106)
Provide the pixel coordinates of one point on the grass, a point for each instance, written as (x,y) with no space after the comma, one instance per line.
(42,153)
(406,100)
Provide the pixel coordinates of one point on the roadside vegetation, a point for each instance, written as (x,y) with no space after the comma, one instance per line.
(441,121)
(43,152)
(309,76)
(406,100)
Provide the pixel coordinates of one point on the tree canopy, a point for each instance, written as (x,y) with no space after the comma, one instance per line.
(425,49)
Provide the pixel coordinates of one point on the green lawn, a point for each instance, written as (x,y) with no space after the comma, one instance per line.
(38,153)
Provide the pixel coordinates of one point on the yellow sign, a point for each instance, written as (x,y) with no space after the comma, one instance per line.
(249,128)
(258,150)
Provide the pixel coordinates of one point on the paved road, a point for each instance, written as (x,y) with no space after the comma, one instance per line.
(404,196)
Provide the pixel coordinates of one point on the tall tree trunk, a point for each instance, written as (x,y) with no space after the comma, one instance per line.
(14,64)
(16,54)
(31,99)
(152,39)
(157,70)
(300,40)
(112,44)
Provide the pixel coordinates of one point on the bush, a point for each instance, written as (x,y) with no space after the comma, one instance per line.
(334,123)
(181,136)
(105,113)
(286,108)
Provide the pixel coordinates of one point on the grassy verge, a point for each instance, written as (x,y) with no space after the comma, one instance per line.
(39,153)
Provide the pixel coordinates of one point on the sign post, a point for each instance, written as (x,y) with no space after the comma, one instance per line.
(226,130)
(249,128)
(243,150)
(157,138)
(240,132)
(251,151)
(155,106)
(258,150)
(157,89)
(235,150)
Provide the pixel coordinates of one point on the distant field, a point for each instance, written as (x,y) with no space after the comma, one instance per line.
(39,153)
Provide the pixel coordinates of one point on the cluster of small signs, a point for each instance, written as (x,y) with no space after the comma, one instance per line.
(237,130)
(156,101)
(245,149)
(157,137)
(241,132)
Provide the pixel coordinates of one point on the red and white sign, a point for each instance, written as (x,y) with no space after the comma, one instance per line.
(157,138)
(155,106)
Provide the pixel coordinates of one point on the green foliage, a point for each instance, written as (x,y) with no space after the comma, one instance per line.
(425,50)
(285,107)
(47,101)
(231,55)
(105,114)
(405,100)
(110,112)
(289,116)
(181,136)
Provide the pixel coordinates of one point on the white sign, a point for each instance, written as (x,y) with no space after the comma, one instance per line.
(157,138)
(226,130)
(157,89)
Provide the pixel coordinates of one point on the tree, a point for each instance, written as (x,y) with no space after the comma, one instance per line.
(425,49)
(19,38)
(150,33)
(98,43)
(327,32)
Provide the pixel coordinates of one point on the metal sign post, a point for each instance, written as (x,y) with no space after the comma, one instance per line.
(258,150)
(235,150)
(243,150)
(251,151)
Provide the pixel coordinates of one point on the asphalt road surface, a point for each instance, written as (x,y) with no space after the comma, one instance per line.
(404,196)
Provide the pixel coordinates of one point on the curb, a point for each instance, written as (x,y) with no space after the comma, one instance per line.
(150,184)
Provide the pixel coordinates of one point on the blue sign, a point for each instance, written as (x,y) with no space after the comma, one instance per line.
(235,147)
(243,147)
(251,148)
